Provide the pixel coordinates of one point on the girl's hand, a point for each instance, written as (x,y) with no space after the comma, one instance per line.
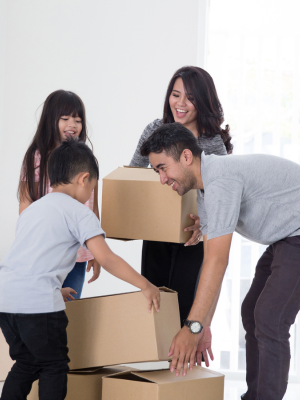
(197,234)
(96,269)
(66,294)
(152,295)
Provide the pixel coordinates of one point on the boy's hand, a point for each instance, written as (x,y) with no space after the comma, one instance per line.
(152,295)
(66,294)
(96,269)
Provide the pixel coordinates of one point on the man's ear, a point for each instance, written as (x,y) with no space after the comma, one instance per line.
(187,157)
(83,178)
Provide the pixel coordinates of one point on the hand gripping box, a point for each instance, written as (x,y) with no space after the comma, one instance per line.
(118,329)
(200,384)
(135,205)
(84,384)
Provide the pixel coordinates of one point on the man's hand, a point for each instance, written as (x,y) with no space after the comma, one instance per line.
(204,346)
(96,269)
(152,295)
(66,294)
(197,234)
(183,349)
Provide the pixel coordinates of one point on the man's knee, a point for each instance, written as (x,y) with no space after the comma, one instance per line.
(247,312)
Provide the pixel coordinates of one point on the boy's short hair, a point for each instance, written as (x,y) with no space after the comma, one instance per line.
(171,138)
(68,160)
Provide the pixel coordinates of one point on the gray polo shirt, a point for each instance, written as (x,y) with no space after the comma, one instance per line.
(48,235)
(256,195)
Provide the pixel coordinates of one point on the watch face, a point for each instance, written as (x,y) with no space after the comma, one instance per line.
(195,327)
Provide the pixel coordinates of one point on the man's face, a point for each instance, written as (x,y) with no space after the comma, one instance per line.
(175,174)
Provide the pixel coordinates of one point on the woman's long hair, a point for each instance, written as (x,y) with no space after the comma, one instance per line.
(200,89)
(46,139)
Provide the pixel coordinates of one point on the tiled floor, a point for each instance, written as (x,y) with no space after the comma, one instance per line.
(234,389)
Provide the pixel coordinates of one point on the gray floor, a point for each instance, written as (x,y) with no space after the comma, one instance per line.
(234,389)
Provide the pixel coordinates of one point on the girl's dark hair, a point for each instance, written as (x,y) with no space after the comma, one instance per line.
(200,90)
(46,139)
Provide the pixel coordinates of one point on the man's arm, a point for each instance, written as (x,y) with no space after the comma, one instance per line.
(184,345)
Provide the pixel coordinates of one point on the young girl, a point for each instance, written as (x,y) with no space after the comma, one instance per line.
(63,116)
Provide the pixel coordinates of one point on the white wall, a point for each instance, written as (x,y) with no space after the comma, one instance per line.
(117,55)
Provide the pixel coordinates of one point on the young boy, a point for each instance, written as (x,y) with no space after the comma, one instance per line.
(48,235)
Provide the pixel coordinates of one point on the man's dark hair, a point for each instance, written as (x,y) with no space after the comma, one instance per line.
(172,139)
(68,160)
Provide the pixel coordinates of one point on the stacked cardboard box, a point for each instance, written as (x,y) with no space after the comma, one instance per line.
(84,384)
(109,330)
(135,205)
(200,383)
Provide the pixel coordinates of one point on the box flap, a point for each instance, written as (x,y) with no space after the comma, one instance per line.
(133,174)
(131,166)
(165,376)
(165,289)
(103,370)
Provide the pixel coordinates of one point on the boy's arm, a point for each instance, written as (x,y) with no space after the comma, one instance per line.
(116,266)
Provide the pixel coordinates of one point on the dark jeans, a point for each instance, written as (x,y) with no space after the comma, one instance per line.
(38,344)
(174,266)
(268,311)
(75,278)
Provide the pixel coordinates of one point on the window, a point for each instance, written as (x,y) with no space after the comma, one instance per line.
(254,59)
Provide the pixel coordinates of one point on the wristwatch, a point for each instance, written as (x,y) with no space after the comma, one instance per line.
(194,326)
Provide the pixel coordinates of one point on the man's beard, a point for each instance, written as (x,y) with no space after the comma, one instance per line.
(188,183)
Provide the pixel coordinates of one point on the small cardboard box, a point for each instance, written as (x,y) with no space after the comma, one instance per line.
(85,384)
(200,384)
(118,329)
(135,205)
(5,361)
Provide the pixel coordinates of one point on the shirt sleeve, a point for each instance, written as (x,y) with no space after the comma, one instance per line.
(202,212)
(87,228)
(222,201)
(138,160)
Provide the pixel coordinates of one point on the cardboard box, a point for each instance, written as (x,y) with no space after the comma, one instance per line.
(135,205)
(85,384)
(200,384)
(111,330)
(5,361)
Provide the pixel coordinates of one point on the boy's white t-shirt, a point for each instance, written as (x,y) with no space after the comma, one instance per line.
(48,235)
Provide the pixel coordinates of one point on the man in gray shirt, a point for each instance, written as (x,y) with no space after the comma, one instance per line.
(257,196)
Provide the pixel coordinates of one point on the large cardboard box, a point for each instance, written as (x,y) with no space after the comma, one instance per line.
(5,361)
(135,205)
(200,384)
(85,384)
(111,330)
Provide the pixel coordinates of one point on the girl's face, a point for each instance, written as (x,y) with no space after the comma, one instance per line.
(69,126)
(182,108)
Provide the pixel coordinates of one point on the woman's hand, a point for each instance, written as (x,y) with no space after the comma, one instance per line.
(66,294)
(152,295)
(96,269)
(197,234)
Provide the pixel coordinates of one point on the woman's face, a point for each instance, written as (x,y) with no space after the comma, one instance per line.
(182,109)
(69,126)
